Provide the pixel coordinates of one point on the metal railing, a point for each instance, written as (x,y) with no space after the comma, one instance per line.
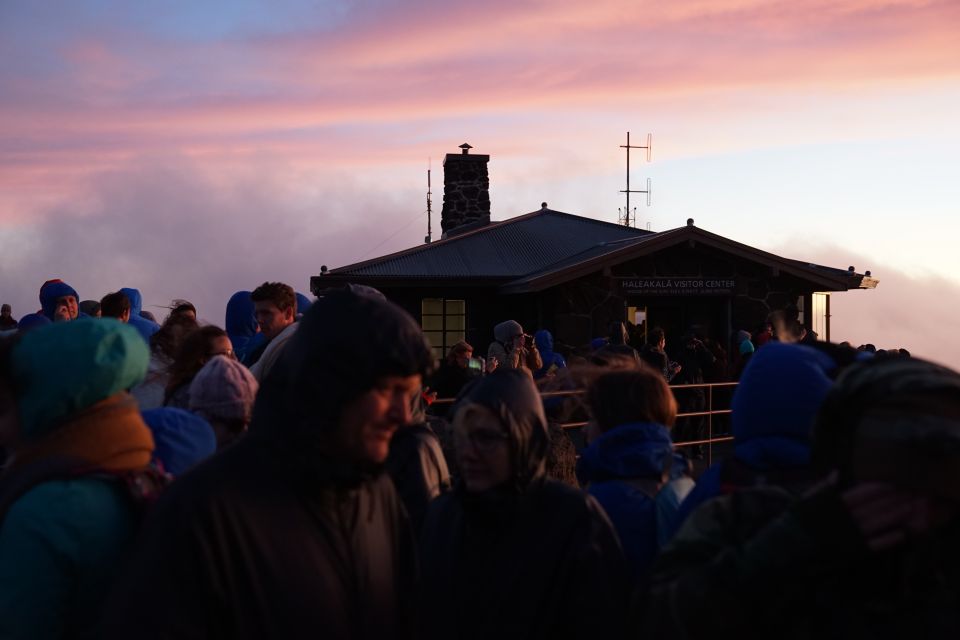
(709,441)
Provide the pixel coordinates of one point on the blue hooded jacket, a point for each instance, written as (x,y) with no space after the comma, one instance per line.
(241,325)
(50,291)
(303,303)
(182,438)
(611,467)
(138,322)
(774,408)
(544,341)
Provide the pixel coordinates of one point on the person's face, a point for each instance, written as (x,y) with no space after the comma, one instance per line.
(67,308)
(271,319)
(220,346)
(463,359)
(482,449)
(369,422)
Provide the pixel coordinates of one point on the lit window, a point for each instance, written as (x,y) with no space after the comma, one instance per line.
(444,323)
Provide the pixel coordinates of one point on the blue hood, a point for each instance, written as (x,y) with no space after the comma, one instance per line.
(182,438)
(775,405)
(50,291)
(636,450)
(241,325)
(303,304)
(544,340)
(146,327)
(240,321)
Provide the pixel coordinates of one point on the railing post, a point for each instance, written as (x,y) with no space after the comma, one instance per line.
(710,425)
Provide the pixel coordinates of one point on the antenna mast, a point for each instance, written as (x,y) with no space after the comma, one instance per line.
(429,237)
(626,211)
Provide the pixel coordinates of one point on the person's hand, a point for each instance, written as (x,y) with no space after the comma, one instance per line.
(61,314)
(492,364)
(886,514)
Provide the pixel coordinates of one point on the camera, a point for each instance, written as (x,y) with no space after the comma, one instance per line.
(527,341)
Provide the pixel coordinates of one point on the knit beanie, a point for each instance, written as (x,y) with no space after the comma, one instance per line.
(223,389)
(506,331)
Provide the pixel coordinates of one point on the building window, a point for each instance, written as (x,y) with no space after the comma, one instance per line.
(444,323)
(820,315)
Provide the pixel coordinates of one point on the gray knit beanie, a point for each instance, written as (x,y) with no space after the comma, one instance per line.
(506,331)
(223,389)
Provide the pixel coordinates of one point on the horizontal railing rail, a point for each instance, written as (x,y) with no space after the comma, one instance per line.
(710,412)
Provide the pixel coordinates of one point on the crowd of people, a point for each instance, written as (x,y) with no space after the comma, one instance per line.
(290,475)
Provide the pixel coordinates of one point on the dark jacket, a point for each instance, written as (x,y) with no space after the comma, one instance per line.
(276,536)
(532,558)
(544,564)
(624,470)
(250,546)
(418,469)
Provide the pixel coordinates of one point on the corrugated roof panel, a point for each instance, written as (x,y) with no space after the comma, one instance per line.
(513,248)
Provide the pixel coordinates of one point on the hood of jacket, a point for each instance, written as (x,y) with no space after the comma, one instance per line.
(50,291)
(544,342)
(513,398)
(777,400)
(181,438)
(136,300)
(636,450)
(303,303)
(240,321)
(343,346)
(65,367)
(145,326)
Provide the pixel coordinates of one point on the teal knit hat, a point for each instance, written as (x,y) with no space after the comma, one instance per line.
(65,367)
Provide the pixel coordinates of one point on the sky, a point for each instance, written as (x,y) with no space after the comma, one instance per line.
(192,149)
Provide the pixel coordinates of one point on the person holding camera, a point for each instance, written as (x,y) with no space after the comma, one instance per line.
(514,349)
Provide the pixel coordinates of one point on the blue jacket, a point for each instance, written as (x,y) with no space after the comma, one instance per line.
(241,325)
(63,539)
(146,327)
(622,470)
(544,341)
(182,439)
(774,408)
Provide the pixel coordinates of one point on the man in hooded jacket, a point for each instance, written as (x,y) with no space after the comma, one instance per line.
(294,531)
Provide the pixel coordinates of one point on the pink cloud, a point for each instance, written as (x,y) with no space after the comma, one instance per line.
(911,312)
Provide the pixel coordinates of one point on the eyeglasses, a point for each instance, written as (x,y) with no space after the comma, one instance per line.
(480,439)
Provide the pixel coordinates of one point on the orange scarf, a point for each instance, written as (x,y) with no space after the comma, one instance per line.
(110,435)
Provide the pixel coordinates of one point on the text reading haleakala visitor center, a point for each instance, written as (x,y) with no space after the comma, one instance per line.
(662,286)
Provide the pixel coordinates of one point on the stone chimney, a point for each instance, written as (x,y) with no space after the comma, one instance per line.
(466,190)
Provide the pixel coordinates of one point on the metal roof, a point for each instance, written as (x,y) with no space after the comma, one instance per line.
(510,249)
(546,247)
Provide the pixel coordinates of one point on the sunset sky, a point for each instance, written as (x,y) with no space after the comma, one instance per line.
(192,149)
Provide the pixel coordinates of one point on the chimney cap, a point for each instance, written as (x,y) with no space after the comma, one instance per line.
(466,148)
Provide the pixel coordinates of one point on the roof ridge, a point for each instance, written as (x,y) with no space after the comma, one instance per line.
(442,241)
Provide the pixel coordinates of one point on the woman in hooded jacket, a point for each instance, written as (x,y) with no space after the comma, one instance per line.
(510,553)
